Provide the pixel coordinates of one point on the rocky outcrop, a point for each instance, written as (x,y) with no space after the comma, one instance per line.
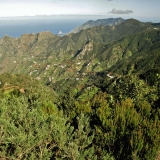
(86,49)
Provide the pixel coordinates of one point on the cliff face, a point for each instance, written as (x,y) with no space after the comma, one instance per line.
(86,50)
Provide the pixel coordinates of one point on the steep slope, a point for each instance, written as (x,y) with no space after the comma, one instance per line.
(53,58)
(134,54)
(99,22)
(111,74)
(139,52)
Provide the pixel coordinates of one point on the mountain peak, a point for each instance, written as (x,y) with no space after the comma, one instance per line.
(132,21)
(99,22)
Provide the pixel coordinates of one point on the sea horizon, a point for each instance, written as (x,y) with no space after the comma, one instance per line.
(17,26)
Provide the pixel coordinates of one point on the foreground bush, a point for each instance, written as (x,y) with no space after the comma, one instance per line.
(31,133)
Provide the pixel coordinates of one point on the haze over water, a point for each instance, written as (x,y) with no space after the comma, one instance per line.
(15,27)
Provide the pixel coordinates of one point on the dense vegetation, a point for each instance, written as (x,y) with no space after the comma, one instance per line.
(98,98)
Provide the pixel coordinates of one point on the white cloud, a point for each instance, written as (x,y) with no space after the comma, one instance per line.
(115,11)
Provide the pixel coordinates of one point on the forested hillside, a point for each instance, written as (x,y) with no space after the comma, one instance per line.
(90,95)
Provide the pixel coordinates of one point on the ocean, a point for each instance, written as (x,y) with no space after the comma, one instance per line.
(16,26)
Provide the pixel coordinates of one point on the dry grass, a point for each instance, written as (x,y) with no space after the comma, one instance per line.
(158,157)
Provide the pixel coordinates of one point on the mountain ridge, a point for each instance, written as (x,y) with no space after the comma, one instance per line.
(47,56)
(110,74)
(99,22)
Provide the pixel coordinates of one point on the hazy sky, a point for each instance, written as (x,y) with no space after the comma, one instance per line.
(147,10)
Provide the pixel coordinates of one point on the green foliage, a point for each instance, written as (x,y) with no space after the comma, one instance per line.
(24,133)
(89,115)
(124,116)
(151,76)
(130,133)
(79,143)
(42,132)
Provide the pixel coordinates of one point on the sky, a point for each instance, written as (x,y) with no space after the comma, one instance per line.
(144,10)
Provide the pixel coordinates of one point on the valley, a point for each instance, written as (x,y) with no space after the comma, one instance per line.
(100,81)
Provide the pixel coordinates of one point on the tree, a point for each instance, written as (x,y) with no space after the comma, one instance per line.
(42,132)
(129,131)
